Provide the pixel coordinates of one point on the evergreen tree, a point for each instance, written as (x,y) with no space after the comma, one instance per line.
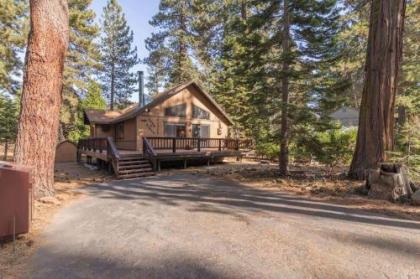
(408,98)
(170,48)
(353,42)
(384,54)
(41,92)
(92,100)
(8,121)
(218,29)
(13,15)
(118,56)
(81,63)
(289,48)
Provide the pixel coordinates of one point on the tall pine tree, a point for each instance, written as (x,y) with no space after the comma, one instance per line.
(81,64)
(169,61)
(118,56)
(383,61)
(289,47)
(13,14)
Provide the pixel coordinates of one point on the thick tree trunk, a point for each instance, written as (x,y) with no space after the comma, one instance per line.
(41,96)
(284,132)
(384,52)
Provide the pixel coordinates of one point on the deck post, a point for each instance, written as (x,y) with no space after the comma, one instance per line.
(198,144)
(185,163)
(220,144)
(173,145)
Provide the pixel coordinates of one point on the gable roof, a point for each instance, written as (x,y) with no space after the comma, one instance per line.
(112,117)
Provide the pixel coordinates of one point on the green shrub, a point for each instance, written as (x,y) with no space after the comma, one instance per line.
(333,147)
(268,150)
(407,148)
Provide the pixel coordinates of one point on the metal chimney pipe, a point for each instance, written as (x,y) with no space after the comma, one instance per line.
(141,88)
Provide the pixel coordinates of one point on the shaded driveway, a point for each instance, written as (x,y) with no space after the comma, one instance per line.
(197,226)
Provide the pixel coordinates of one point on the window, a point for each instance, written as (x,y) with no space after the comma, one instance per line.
(119,131)
(174,130)
(201,131)
(200,113)
(178,110)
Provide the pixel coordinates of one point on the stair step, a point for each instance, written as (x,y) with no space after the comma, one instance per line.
(142,170)
(124,162)
(134,175)
(136,166)
(132,158)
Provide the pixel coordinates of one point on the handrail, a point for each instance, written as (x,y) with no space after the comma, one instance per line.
(148,148)
(112,148)
(149,153)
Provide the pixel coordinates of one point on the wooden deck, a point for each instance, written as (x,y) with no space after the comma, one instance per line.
(160,149)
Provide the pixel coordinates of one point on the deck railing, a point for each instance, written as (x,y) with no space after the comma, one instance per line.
(101,144)
(198,144)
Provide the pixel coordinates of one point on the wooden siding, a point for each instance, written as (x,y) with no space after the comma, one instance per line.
(129,139)
(151,124)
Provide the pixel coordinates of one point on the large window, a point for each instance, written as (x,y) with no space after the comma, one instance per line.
(200,131)
(175,130)
(200,113)
(178,110)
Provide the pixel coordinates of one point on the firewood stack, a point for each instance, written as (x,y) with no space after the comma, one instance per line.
(390,182)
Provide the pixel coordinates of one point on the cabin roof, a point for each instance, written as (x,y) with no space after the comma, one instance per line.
(115,116)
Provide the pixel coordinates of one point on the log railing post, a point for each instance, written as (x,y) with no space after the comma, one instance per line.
(174,145)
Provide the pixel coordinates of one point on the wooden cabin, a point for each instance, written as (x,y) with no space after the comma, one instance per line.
(182,123)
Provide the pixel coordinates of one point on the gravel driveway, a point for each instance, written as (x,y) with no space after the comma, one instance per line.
(197,226)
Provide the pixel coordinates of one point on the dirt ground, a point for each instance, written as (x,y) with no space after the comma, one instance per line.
(69,177)
(310,181)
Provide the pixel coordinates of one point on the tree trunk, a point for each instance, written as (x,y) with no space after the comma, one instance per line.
(284,148)
(244,10)
(6,149)
(41,96)
(390,182)
(111,104)
(384,53)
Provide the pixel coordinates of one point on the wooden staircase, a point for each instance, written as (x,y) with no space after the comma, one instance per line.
(133,166)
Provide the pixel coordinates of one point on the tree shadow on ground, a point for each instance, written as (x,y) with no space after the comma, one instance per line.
(391,244)
(50,264)
(222,196)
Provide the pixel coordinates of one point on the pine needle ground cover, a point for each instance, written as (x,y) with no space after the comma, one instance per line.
(313,181)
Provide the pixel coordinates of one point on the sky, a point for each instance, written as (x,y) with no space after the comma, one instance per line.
(138,13)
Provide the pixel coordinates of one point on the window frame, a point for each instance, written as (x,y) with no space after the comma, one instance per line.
(180,113)
(165,124)
(202,112)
